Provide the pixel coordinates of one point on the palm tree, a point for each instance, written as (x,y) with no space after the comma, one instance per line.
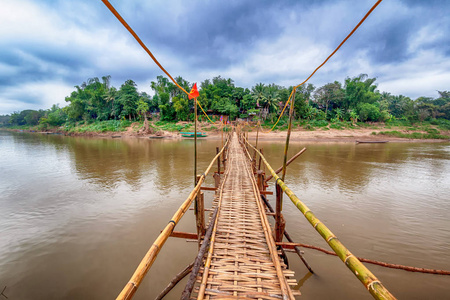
(110,96)
(272,98)
(258,93)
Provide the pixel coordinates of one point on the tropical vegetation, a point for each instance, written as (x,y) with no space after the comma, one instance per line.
(344,104)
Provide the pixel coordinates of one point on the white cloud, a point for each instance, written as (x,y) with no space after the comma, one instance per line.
(60,44)
(34,95)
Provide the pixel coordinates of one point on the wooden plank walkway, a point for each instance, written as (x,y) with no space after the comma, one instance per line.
(243,261)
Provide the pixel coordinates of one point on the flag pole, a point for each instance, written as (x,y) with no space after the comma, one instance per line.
(195,141)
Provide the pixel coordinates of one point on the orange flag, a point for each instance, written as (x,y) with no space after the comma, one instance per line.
(194,92)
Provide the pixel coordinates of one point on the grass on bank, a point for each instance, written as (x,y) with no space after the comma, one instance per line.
(412,135)
(98,126)
(423,130)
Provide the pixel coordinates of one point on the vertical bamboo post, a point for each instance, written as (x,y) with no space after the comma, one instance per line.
(260,181)
(257,134)
(259,164)
(221,131)
(216,180)
(279,220)
(198,205)
(291,114)
(218,161)
(200,213)
(195,141)
(280,223)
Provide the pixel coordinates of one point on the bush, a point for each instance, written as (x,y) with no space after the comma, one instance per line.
(368,112)
(414,135)
(318,123)
(337,125)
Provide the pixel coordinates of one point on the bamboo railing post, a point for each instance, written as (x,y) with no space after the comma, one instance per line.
(279,220)
(257,134)
(259,164)
(200,214)
(218,161)
(260,180)
(216,180)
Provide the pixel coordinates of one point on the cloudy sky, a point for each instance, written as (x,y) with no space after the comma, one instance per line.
(49,46)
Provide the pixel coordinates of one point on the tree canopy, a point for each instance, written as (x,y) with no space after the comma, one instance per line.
(355,99)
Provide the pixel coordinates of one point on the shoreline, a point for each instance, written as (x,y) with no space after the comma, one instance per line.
(297,135)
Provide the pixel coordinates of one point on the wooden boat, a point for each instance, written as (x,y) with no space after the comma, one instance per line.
(192,134)
(156,137)
(116,136)
(371,142)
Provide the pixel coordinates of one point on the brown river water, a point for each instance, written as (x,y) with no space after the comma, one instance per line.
(78,214)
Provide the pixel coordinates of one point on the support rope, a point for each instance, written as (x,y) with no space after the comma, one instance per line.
(136,37)
(326,60)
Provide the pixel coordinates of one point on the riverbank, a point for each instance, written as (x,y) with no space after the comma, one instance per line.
(378,134)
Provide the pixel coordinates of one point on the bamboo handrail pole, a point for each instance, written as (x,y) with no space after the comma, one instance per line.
(287,163)
(370,281)
(285,289)
(146,263)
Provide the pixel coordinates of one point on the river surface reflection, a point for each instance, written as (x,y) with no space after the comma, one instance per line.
(78,214)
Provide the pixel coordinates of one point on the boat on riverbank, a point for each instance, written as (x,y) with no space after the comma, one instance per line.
(192,134)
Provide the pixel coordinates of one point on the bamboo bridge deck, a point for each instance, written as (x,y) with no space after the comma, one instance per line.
(243,261)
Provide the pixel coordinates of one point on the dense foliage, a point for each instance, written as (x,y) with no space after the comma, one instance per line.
(357,99)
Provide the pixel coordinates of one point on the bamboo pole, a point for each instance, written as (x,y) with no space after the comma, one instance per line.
(291,115)
(218,161)
(257,133)
(279,220)
(369,261)
(259,163)
(199,259)
(288,237)
(285,289)
(287,163)
(370,281)
(195,142)
(146,263)
(175,281)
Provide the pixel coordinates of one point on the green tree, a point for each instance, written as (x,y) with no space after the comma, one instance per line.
(359,89)
(368,112)
(128,98)
(142,108)
(258,93)
(329,96)
(302,98)
(181,106)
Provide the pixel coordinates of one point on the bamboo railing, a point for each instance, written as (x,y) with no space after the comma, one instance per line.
(370,281)
(146,263)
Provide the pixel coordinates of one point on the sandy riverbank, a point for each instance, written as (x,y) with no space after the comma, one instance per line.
(300,135)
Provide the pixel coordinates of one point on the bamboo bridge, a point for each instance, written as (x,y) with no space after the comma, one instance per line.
(245,256)
(243,261)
